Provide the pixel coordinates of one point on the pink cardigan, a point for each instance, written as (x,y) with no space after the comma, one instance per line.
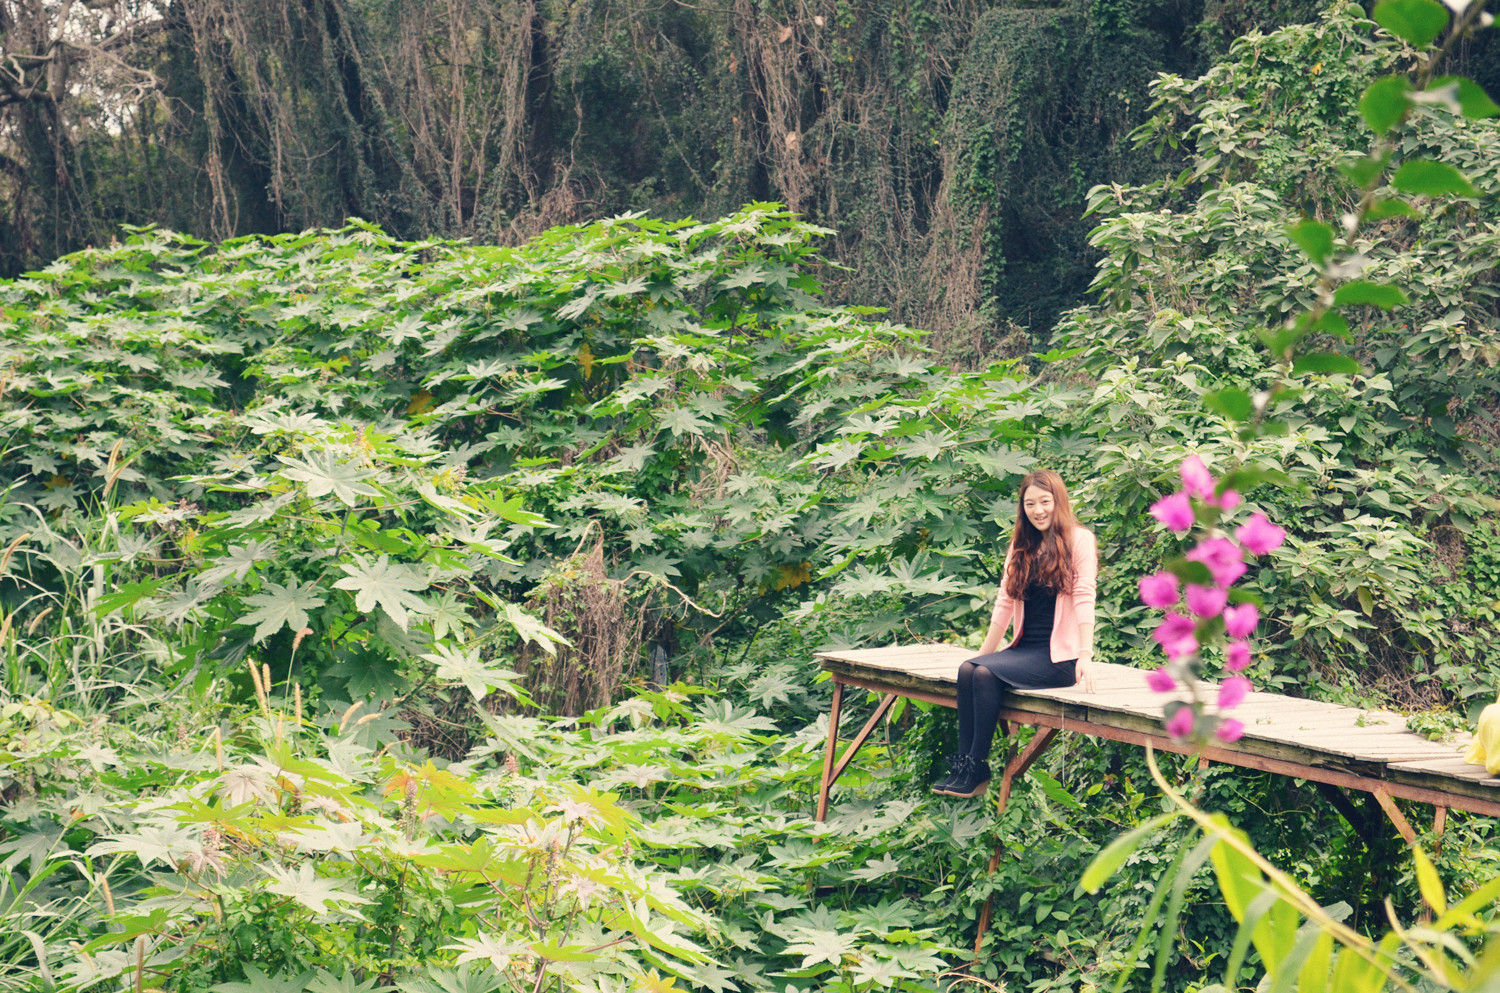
(1072,607)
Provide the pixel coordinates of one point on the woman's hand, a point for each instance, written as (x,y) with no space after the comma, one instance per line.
(1083,673)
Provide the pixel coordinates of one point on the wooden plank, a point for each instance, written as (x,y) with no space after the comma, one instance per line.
(1365,737)
(1382,752)
(1453,765)
(944,699)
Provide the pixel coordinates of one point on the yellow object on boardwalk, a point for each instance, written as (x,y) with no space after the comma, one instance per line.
(1486,748)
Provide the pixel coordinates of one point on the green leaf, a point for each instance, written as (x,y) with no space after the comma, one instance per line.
(1250,916)
(1117,851)
(1472,101)
(1248,477)
(276,605)
(1277,342)
(487,948)
(1314,237)
(1416,22)
(1384,102)
(533,630)
(323,475)
(1363,292)
(1434,179)
(262,982)
(1167,928)
(1384,207)
(327,982)
(1364,170)
(1325,362)
(128,595)
(1334,323)
(511,510)
(165,843)
(1055,790)
(305,886)
(822,946)
(1238,594)
(385,584)
(682,420)
(1428,881)
(1232,402)
(463,665)
(1189,572)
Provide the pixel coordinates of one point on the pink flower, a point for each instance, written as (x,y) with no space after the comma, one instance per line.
(1232,691)
(1259,536)
(1223,559)
(1239,621)
(1161,681)
(1206,601)
(1159,589)
(1196,478)
(1228,500)
(1175,511)
(1177,635)
(1236,655)
(1230,730)
(1181,723)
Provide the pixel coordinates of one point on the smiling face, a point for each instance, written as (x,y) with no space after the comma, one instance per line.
(1038,506)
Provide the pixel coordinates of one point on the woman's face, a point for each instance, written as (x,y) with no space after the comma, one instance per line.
(1037,504)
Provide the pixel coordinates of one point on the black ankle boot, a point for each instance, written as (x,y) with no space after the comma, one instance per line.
(954,765)
(972,780)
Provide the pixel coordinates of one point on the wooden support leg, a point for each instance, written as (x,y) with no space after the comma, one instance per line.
(1439,821)
(1403,826)
(833,744)
(880,711)
(1015,767)
(833,770)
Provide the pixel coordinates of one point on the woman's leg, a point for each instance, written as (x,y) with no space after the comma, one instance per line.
(966,706)
(988,690)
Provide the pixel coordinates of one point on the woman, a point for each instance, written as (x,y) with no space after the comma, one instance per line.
(1047,590)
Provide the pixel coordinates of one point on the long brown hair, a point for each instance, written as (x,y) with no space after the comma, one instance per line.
(1043,556)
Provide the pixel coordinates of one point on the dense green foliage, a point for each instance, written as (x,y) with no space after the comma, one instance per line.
(948,143)
(1389,474)
(484,494)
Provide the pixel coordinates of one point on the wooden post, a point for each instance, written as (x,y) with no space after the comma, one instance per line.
(1013,768)
(1403,826)
(859,739)
(833,744)
(1439,821)
(833,770)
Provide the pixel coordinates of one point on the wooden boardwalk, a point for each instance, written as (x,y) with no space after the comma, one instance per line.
(1337,748)
(1367,750)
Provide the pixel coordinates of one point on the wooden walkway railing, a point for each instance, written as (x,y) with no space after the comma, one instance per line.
(1338,748)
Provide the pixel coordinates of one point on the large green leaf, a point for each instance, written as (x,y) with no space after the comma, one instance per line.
(1416,22)
(276,605)
(389,585)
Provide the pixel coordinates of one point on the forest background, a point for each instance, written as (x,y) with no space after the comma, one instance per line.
(339,565)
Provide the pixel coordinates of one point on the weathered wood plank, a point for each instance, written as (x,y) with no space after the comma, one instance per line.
(1453,765)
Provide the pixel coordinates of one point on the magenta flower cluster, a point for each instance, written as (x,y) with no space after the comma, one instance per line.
(1198,611)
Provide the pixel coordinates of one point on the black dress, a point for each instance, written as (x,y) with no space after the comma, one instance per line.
(1028,665)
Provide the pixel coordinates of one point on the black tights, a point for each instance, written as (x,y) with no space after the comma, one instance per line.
(979,693)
